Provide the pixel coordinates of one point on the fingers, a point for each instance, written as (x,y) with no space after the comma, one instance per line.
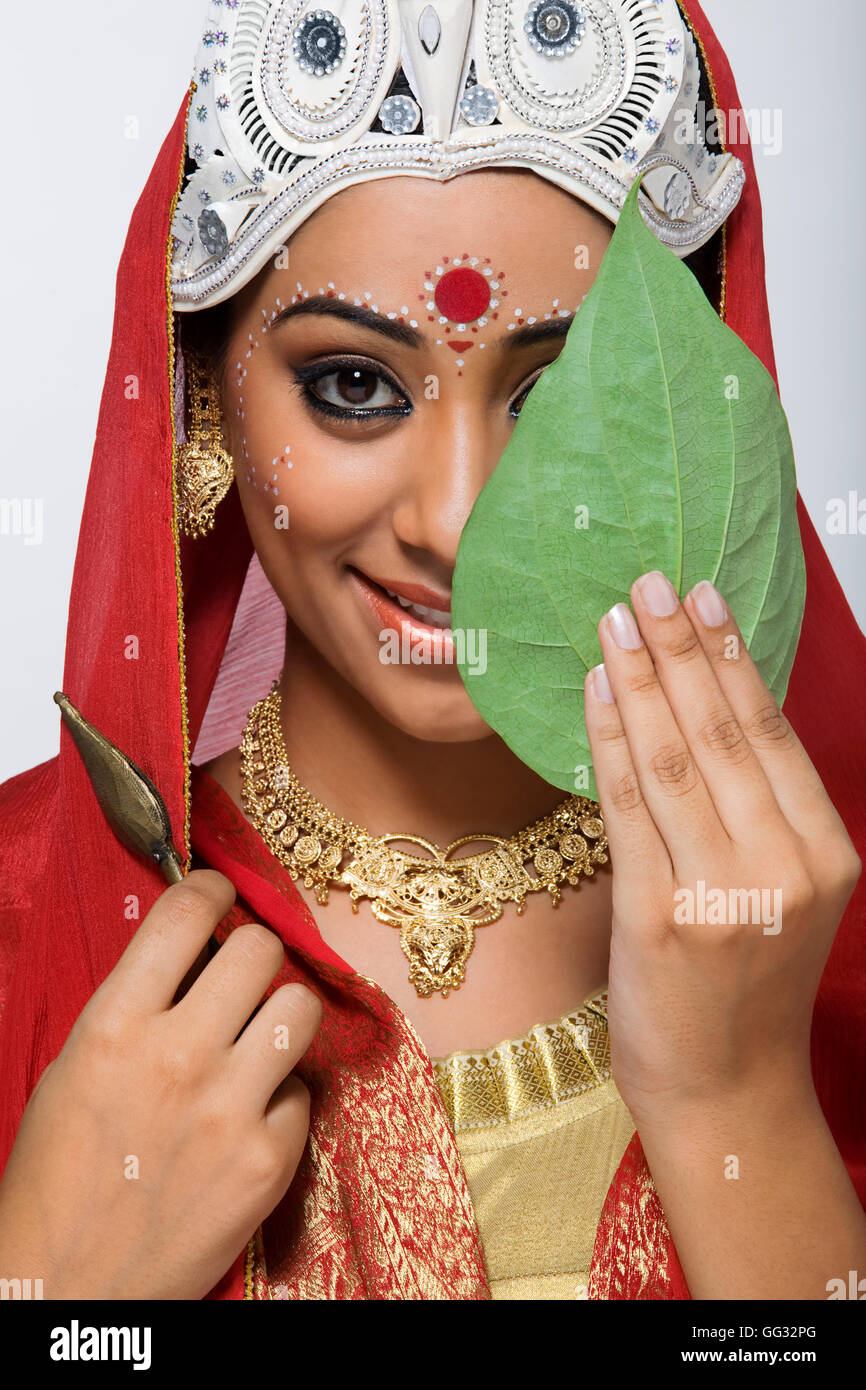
(274,1042)
(231,986)
(686,662)
(790,773)
(667,772)
(169,941)
(288,1120)
(635,843)
(702,740)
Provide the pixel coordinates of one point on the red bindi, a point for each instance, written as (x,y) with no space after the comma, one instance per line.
(462,295)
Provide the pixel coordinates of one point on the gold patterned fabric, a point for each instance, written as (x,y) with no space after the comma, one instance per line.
(541,1129)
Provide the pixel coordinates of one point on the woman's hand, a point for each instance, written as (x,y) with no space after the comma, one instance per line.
(731,871)
(159,1139)
(731,868)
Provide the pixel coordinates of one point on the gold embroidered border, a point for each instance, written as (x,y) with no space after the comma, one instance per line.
(255,1270)
(175,529)
(521,1076)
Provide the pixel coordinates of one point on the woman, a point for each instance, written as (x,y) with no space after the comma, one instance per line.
(405,1188)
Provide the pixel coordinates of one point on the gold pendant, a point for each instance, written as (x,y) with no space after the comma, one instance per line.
(437,905)
(437,949)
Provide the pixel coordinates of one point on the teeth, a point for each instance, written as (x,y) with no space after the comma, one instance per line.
(435,616)
(403,602)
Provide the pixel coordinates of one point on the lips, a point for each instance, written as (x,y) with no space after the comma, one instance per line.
(415,593)
(430,620)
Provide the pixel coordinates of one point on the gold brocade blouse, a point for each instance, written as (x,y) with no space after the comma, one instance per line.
(541,1129)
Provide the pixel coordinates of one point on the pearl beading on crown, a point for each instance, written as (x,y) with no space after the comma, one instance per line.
(293,102)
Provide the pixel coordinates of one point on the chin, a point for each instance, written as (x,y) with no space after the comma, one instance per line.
(434,718)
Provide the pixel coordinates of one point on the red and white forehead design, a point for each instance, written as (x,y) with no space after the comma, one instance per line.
(463,293)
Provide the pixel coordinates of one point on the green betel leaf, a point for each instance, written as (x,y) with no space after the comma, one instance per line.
(656,440)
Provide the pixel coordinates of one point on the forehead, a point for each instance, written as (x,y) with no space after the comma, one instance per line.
(484,253)
(407,224)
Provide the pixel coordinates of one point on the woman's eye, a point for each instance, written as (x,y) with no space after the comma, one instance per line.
(355,390)
(519,400)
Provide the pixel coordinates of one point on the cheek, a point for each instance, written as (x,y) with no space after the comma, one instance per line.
(292,476)
(263,432)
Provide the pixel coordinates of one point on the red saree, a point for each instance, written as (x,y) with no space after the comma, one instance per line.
(360,1219)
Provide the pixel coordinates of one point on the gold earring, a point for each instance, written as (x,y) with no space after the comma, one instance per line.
(205,471)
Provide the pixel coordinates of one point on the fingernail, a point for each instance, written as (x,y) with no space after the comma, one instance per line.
(659,594)
(623,628)
(601,685)
(709,603)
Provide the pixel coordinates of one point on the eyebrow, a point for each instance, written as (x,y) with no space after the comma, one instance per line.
(412,337)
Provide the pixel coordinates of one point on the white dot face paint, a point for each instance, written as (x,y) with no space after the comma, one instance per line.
(282,461)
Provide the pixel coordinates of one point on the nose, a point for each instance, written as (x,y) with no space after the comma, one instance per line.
(456,449)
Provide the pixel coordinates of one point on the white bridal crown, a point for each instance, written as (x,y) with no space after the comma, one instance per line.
(294,102)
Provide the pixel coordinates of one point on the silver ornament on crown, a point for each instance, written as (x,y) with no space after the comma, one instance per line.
(293,102)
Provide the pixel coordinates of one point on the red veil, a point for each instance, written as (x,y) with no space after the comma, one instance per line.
(358,1221)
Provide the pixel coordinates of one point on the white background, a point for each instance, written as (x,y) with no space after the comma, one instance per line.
(75,73)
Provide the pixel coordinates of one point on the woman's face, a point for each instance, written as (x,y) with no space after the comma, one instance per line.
(374,374)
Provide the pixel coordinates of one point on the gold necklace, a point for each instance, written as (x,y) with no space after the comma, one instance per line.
(437,902)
